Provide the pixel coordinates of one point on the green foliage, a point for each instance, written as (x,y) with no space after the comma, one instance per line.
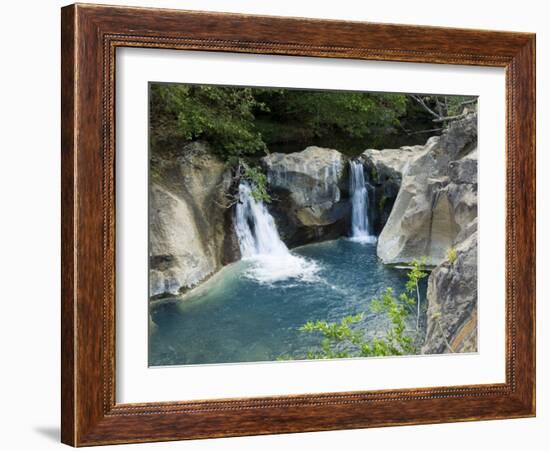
(222,116)
(321,114)
(374,174)
(396,341)
(455,104)
(334,334)
(445,108)
(342,339)
(240,122)
(258,180)
(451,255)
(415,274)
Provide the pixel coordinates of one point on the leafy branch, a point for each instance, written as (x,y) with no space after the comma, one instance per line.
(414,276)
(344,338)
(255,177)
(258,182)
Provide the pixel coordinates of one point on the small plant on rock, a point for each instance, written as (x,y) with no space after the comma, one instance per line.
(451,255)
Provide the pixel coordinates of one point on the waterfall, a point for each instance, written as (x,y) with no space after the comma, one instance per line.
(261,245)
(360,204)
(255,227)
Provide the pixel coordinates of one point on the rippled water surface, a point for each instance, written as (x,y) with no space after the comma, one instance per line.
(250,311)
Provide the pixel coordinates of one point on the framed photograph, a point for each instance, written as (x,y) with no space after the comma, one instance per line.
(279,225)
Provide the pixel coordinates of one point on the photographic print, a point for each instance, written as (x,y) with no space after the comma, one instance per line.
(291,224)
(296,203)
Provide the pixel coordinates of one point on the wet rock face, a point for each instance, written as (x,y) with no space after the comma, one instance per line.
(310,194)
(437,196)
(191,232)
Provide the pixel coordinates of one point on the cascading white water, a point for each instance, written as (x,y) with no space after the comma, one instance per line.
(255,227)
(359,204)
(260,243)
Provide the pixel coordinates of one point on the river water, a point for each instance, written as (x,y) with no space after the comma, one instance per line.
(252,310)
(248,312)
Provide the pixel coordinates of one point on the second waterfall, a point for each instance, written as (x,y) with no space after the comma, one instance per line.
(360,228)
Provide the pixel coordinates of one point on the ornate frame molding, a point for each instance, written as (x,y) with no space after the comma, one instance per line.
(90,36)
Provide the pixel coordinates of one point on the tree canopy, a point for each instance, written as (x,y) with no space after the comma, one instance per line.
(224,117)
(242,121)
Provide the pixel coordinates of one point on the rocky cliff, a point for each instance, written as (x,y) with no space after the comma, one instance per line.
(437,194)
(310,194)
(191,232)
(434,214)
(452,301)
(452,286)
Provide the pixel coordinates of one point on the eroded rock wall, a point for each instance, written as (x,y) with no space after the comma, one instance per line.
(437,197)
(191,231)
(452,302)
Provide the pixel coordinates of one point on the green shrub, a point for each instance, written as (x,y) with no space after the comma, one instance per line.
(451,255)
(258,180)
(342,339)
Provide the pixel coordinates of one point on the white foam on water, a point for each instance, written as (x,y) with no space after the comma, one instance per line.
(363,239)
(269,269)
(261,246)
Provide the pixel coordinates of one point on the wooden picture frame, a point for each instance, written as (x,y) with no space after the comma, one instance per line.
(90,36)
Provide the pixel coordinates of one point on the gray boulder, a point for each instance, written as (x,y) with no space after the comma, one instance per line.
(388,165)
(310,194)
